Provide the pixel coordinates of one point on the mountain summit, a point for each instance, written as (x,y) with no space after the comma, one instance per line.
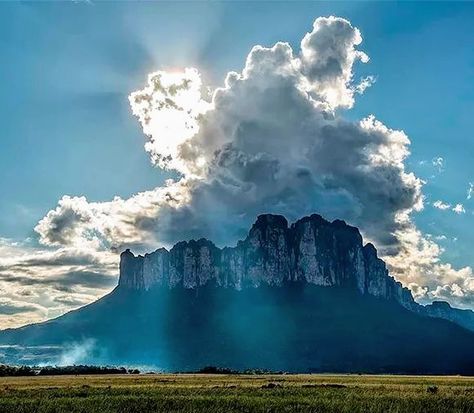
(305,297)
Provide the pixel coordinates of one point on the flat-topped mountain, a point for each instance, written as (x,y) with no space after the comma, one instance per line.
(312,250)
(305,297)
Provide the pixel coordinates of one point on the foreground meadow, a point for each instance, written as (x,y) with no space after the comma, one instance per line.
(236,393)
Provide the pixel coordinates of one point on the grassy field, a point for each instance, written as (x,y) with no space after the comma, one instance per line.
(237,393)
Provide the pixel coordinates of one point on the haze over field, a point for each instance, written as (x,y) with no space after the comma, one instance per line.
(266,122)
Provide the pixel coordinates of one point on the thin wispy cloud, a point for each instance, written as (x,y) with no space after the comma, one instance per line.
(438,163)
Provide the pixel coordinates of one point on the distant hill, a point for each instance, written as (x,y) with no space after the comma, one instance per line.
(442,309)
(309,297)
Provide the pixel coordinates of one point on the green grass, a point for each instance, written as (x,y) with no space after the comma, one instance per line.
(226,394)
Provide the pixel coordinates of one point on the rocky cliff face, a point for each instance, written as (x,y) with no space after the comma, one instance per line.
(311,250)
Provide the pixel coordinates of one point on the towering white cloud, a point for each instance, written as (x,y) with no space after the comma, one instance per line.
(272,139)
(269,140)
(328,54)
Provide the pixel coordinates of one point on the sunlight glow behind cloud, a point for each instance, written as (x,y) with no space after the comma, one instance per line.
(168,109)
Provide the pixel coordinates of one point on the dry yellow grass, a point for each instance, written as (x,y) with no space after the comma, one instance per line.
(237,393)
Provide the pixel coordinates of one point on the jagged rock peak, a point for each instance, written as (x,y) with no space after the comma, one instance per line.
(266,220)
(311,250)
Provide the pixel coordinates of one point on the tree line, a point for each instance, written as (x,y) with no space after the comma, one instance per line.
(17,371)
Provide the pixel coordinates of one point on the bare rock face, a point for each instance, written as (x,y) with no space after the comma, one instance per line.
(311,250)
(131,271)
(328,254)
(263,257)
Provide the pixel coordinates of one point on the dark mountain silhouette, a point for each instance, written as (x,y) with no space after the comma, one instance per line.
(305,297)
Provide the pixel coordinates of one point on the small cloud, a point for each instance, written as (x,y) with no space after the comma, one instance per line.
(438,163)
(441,205)
(440,237)
(435,166)
(470,190)
(364,84)
(459,209)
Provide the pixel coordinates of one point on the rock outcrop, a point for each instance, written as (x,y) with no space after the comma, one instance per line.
(311,250)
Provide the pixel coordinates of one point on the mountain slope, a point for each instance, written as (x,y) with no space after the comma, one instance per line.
(298,327)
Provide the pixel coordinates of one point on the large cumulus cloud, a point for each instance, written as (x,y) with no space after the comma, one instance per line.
(272,139)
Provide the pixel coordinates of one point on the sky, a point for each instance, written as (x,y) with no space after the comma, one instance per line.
(72,126)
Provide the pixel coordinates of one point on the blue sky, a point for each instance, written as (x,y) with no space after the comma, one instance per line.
(67,69)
